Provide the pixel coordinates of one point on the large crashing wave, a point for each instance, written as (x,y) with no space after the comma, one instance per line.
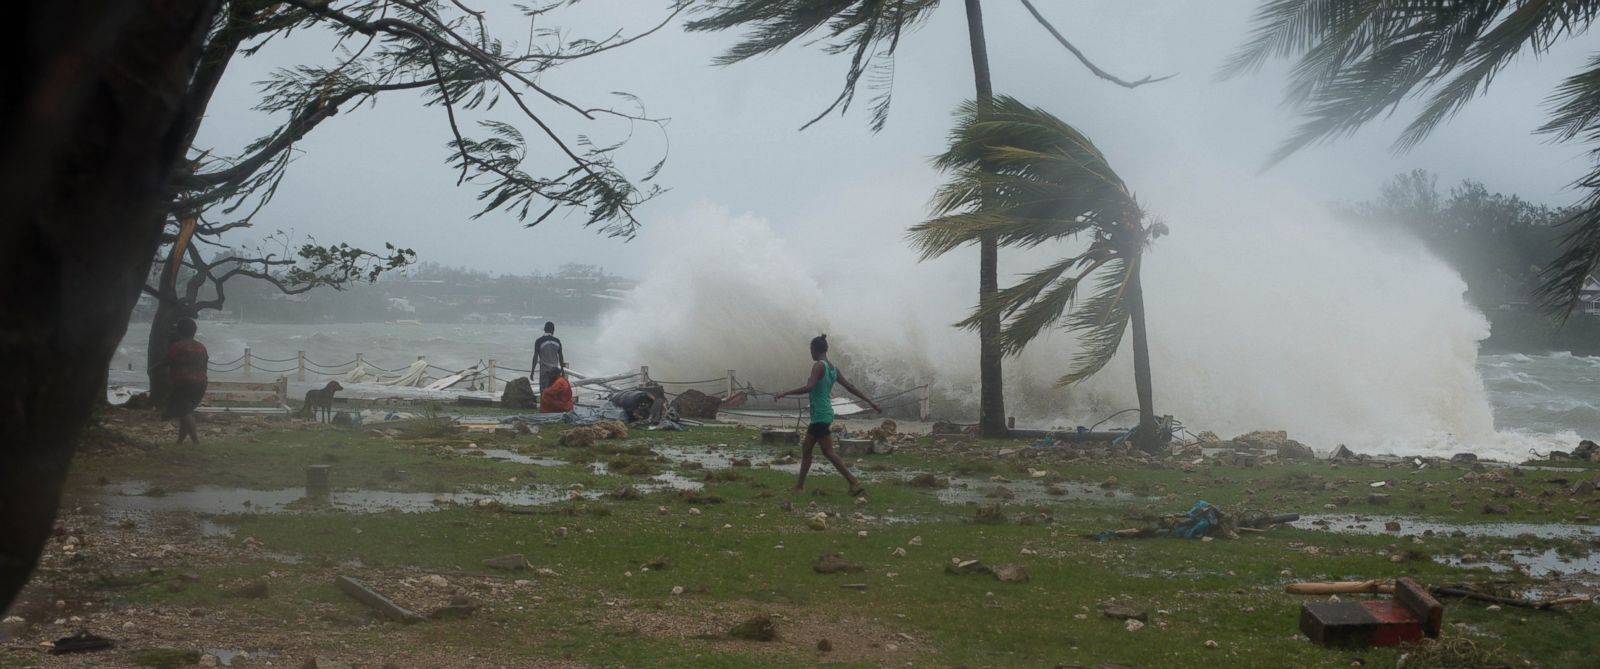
(1259,319)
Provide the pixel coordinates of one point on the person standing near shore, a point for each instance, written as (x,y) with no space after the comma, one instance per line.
(185,363)
(820,390)
(548,357)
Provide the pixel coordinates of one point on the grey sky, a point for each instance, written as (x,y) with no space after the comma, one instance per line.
(378,174)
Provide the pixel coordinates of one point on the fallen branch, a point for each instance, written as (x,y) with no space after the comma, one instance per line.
(1340,588)
(1508,601)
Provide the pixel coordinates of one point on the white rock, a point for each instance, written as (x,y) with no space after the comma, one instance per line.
(915,541)
(209,661)
(435,581)
(13,620)
(694,511)
(1134,625)
(677,589)
(1210,644)
(862,534)
(899,552)
(662,510)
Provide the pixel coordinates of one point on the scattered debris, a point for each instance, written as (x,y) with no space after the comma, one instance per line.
(82,642)
(579,437)
(1010,573)
(1120,612)
(832,563)
(383,606)
(759,628)
(1409,616)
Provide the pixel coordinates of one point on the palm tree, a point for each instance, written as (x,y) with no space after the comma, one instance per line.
(870,31)
(1023,177)
(1359,60)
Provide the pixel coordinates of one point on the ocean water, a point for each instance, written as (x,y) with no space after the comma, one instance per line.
(1538,402)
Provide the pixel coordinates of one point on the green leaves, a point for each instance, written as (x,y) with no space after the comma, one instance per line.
(868,30)
(1025,178)
(1359,59)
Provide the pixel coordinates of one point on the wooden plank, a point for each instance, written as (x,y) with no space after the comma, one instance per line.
(1421,604)
(385,607)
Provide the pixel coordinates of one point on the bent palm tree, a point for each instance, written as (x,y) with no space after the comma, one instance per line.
(870,31)
(1359,60)
(1025,178)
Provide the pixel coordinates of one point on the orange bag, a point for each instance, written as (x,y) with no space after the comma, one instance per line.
(557,398)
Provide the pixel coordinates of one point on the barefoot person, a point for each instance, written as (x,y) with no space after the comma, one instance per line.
(820,387)
(185,363)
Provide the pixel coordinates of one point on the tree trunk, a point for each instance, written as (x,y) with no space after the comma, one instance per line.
(90,125)
(991,380)
(1147,437)
(161,323)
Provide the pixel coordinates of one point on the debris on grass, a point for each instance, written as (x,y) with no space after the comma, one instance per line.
(759,628)
(832,563)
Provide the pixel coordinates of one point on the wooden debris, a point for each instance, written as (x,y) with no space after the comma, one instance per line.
(385,607)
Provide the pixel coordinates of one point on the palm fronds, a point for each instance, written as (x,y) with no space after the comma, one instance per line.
(1024,177)
(868,30)
(1358,60)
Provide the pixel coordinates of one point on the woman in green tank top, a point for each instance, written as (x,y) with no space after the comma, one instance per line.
(820,388)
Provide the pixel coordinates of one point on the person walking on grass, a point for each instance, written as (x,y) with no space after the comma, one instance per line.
(185,363)
(820,389)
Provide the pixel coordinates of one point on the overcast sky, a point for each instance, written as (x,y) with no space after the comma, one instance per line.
(377,174)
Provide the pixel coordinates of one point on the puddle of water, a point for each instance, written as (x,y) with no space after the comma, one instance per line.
(521,459)
(214,500)
(225,657)
(1364,524)
(217,500)
(1539,564)
(1025,491)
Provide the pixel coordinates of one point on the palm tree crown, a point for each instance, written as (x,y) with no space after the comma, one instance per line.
(1027,178)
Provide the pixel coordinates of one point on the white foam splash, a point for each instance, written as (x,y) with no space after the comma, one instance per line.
(1260,318)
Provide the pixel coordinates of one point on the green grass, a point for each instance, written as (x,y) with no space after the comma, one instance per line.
(753,551)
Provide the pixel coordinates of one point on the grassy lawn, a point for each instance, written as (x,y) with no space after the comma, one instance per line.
(743,546)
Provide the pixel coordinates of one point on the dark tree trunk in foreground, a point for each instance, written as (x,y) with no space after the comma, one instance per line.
(92,121)
(1147,437)
(991,393)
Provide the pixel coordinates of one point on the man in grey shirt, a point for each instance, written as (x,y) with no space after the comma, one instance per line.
(548,358)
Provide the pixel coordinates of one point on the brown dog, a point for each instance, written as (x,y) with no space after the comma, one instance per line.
(321,400)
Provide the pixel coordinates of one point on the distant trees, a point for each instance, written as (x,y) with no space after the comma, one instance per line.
(870,32)
(1358,61)
(1498,243)
(1023,177)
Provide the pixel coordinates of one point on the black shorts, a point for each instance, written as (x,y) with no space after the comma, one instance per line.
(182,398)
(820,430)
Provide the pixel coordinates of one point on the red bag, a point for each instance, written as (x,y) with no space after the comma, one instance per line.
(557,398)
